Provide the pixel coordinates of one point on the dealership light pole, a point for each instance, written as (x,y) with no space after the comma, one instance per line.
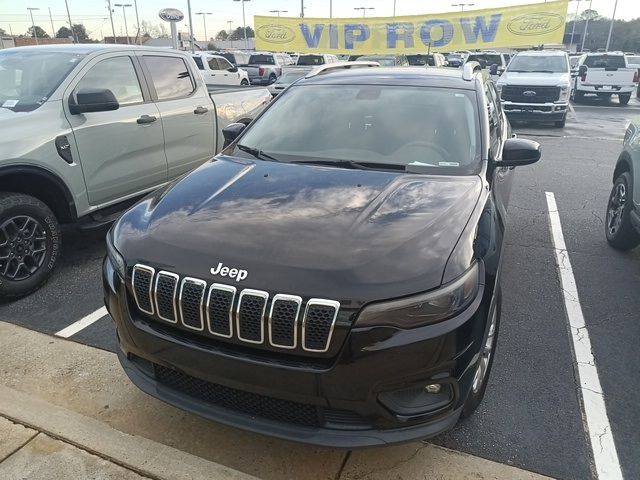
(113,28)
(244,24)
(53,29)
(301,8)
(124,14)
(575,20)
(230,22)
(586,27)
(135,3)
(364,10)
(462,5)
(331,8)
(204,20)
(33,25)
(613,17)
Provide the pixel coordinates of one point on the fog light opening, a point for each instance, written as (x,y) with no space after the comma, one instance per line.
(418,400)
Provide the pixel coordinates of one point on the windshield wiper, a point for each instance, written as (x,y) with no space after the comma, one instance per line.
(259,154)
(355,165)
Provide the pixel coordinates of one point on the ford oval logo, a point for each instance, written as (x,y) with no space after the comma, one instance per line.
(276,34)
(529,93)
(171,14)
(536,24)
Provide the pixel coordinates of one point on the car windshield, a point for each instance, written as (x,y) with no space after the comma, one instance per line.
(485,60)
(383,61)
(605,61)
(28,78)
(230,56)
(310,60)
(434,130)
(539,63)
(198,61)
(420,60)
(262,60)
(291,77)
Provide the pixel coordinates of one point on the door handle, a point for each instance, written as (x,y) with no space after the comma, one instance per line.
(200,110)
(144,119)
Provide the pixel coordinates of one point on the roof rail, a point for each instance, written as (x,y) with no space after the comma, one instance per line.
(470,69)
(330,67)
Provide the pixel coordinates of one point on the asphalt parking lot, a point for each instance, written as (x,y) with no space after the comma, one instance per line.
(531,416)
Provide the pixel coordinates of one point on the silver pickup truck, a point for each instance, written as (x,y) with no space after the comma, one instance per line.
(87,130)
(264,68)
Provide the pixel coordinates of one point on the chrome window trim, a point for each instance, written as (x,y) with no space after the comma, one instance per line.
(173,296)
(151,270)
(226,288)
(324,303)
(204,289)
(288,298)
(257,293)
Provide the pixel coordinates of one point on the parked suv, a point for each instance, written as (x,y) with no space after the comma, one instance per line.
(86,131)
(606,74)
(385,60)
(536,86)
(333,277)
(622,227)
(315,59)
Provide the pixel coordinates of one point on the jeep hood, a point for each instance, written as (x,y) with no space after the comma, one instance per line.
(313,231)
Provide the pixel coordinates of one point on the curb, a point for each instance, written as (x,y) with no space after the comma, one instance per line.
(143,456)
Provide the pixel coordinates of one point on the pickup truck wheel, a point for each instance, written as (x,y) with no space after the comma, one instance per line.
(244,82)
(272,78)
(29,244)
(485,362)
(618,228)
(624,99)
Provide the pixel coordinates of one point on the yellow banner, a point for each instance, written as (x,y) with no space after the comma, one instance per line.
(524,25)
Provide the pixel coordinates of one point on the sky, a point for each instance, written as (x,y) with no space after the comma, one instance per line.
(94,14)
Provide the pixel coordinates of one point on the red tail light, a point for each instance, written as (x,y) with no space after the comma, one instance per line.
(584,77)
(636,76)
(261,72)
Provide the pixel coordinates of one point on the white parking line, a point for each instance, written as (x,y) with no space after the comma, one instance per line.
(595,418)
(83,323)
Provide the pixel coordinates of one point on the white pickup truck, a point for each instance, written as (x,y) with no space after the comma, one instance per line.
(216,70)
(87,130)
(605,74)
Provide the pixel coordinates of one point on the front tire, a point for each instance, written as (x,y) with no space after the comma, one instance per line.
(624,98)
(487,355)
(618,228)
(30,244)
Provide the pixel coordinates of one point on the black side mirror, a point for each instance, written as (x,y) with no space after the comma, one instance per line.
(493,69)
(92,100)
(520,151)
(582,71)
(232,69)
(231,132)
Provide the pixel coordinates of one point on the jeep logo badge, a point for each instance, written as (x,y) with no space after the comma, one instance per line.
(237,274)
(529,93)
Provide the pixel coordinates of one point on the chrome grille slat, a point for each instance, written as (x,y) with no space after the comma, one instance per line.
(165,289)
(220,310)
(250,310)
(142,284)
(170,298)
(283,321)
(318,323)
(191,303)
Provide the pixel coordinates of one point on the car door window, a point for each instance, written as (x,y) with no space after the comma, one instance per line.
(214,64)
(170,76)
(494,116)
(224,65)
(116,74)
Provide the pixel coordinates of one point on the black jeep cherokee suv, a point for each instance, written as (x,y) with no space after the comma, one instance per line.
(332,277)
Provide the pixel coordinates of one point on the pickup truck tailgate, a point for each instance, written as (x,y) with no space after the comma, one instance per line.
(618,77)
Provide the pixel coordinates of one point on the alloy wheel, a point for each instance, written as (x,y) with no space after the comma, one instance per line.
(485,355)
(23,247)
(616,208)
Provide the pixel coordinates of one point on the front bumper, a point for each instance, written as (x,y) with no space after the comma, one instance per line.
(542,112)
(237,388)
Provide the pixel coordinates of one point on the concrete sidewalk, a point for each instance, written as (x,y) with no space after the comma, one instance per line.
(70,407)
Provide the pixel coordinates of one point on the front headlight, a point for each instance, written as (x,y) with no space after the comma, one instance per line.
(426,308)
(114,256)
(499,88)
(564,91)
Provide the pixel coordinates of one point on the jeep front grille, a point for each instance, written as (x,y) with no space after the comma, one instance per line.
(248,316)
